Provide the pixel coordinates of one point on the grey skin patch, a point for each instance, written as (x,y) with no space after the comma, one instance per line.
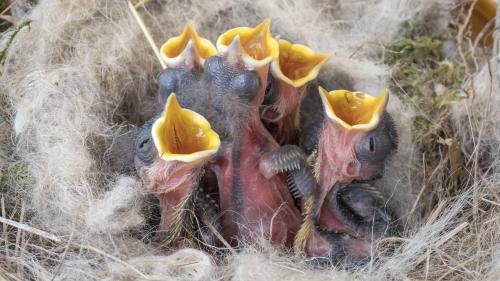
(183,83)
(311,119)
(230,80)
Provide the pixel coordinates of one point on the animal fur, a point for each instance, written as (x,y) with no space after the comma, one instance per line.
(82,78)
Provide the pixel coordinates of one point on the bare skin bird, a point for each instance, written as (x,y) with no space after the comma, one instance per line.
(348,141)
(229,94)
(292,72)
(171,154)
(254,173)
(253,202)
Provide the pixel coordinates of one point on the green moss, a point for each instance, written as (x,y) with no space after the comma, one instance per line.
(5,109)
(423,77)
(20,176)
(421,124)
(414,51)
(418,67)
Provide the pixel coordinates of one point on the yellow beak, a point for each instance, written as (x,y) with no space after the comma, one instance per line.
(187,46)
(354,110)
(259,48)
(297,64)
(183,135)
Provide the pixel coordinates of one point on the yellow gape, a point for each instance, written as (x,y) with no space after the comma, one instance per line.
(183,135)
(297,64)
(354,110)
(176,50)
(258,46)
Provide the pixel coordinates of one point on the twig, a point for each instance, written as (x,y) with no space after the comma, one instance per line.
(18,235)
(420,193)
(8,7)
(491,202)
(13,277)
(436,212)
(444,239)
(116,259)
(54,238)
(30,229)
(460,35)
(4,225)
(61,261)
(140,3)
(217,234)
(146,33)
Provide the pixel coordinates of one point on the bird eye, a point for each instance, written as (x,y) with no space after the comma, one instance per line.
(144,146)
(246,85)
(372,144)
(377,145)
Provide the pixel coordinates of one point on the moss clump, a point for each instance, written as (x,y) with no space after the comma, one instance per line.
(5,109)
(424,78)
(19,175)
(419,70)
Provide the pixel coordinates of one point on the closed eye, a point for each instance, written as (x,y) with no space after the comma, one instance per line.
(372,144)
(143,143)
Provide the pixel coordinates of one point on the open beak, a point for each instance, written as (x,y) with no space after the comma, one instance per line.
(297,64)
(187,49)
(183,135)
(354,110)
(259,48)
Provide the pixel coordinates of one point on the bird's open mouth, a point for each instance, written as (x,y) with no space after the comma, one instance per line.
(354,110)
(258,46)
(297,64)
(173,51)
(183,135)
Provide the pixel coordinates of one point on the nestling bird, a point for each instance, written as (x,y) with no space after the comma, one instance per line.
(292,72)
(349,140)
(171,154)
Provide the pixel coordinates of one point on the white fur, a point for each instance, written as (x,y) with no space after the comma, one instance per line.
(83,75)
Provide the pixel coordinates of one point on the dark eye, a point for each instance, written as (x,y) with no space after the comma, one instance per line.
(372,144)
(246,85)
(377,145)
(144,146)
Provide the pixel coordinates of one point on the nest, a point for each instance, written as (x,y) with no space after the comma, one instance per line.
(78,78)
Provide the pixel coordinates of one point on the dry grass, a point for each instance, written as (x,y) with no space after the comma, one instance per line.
(49,154)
